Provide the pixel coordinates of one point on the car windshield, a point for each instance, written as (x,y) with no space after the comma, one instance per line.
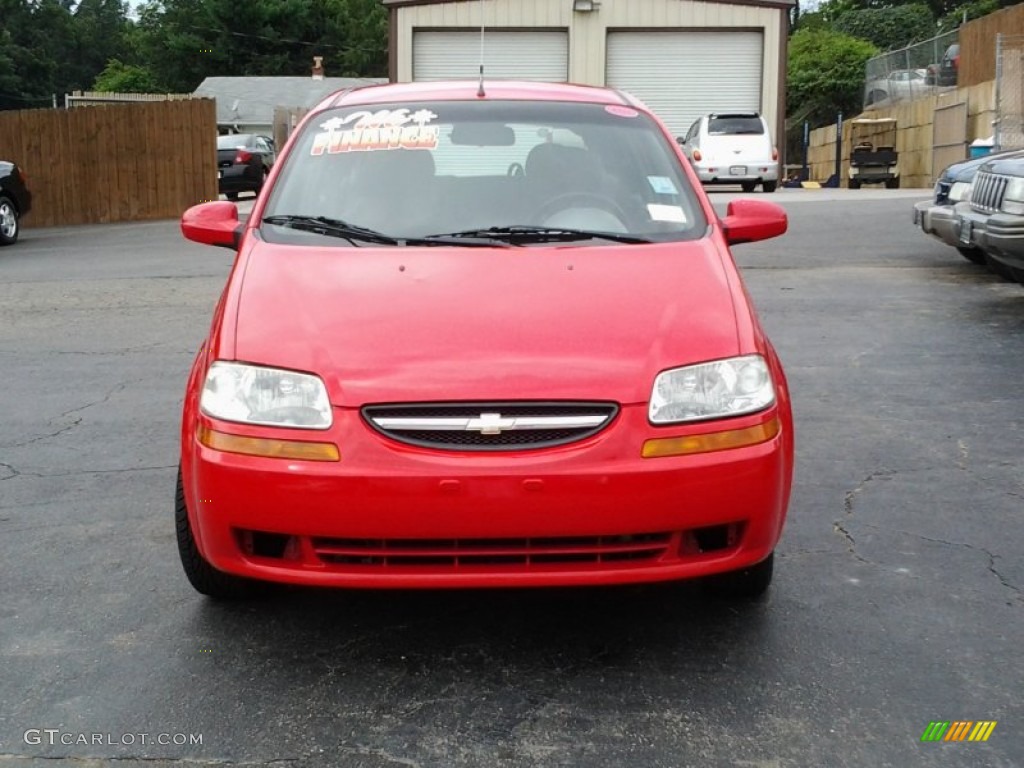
(480,172)
(734,124)
(232,141)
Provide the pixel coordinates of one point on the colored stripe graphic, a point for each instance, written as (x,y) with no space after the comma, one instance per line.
(982,730)
(958,730)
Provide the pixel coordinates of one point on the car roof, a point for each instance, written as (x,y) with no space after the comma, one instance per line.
(468,90)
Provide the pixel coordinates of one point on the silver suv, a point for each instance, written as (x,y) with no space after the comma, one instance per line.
(733,148)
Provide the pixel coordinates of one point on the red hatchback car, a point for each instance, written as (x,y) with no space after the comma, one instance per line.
(483,340)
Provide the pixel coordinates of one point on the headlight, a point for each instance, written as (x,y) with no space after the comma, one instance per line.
(255,395)
(711,390)
(961,190)
(1013,197)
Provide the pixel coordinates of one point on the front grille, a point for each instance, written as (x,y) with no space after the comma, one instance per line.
(490,426)
(987,192)
(500,554)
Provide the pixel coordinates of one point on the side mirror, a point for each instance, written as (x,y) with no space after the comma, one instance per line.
(747,221)
(214,223)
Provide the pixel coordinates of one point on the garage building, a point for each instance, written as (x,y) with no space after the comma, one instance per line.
(681,57)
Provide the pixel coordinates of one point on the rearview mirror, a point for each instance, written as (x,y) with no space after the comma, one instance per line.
(214,223)
(747,221)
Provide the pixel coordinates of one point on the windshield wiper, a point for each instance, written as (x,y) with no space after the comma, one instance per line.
(520,234)
(323,225)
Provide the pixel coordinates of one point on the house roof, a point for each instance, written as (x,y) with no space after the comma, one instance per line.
(252,100)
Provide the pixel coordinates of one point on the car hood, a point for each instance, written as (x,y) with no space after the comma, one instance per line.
(409,325)
(966,170)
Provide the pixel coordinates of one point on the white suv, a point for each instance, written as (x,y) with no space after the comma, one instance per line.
(733,148)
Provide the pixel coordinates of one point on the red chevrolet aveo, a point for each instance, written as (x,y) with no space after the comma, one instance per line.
(483,339)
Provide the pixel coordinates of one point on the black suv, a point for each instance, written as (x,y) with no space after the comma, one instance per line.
(15,202)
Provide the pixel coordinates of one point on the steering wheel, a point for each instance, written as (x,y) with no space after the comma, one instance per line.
(579,200)
(516,169)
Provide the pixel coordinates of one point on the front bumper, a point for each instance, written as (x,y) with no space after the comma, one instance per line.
(391,515)
(939,221)
(1004,239)
(970,227)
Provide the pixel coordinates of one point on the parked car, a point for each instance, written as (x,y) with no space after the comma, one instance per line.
(949,67)
(733,148)
(898,85)
(992,220)
(243,162)
(483,341)
(15,201)
(937,217)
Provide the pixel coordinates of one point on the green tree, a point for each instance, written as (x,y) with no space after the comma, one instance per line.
(968,12)
(51,47)
(185,41)
(826,75)
(118,77)
(888,28)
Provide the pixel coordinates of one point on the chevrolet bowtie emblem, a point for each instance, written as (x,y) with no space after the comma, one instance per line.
(490,424)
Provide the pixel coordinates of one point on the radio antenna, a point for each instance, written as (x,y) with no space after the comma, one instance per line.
(480,91)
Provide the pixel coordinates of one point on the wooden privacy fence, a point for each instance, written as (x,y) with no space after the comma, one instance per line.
(121,162)
(978,43)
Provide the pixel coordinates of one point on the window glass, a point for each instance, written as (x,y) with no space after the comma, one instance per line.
(444,167)
(735,124)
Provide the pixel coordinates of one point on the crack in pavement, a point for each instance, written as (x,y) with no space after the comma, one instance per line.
(851,496)
(76,473)
(992,557)
(77,420)
(848,504)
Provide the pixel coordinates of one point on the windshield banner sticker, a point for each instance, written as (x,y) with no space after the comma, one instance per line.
(366,131)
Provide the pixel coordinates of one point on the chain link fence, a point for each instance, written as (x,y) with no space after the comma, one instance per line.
(1009,124)
(912,72)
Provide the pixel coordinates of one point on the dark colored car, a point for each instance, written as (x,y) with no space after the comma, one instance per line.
(243,162)
(938,217)
(993,219)
(15,201)
(949,66)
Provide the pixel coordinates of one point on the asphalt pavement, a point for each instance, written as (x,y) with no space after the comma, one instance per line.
(897,599)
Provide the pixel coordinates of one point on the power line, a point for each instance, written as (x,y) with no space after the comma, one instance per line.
(361,49)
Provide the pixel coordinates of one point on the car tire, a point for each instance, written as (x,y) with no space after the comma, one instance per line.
(892,183)
(204,578)
(232,196)
(749,186)
(744,584)
(973,255)
(769,186)
(853,184)
(10,225)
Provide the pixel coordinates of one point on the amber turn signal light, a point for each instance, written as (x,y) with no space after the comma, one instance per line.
(712,441)
(266,447)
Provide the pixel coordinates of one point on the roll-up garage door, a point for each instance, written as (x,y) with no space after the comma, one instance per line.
(536,55)
(683,75)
